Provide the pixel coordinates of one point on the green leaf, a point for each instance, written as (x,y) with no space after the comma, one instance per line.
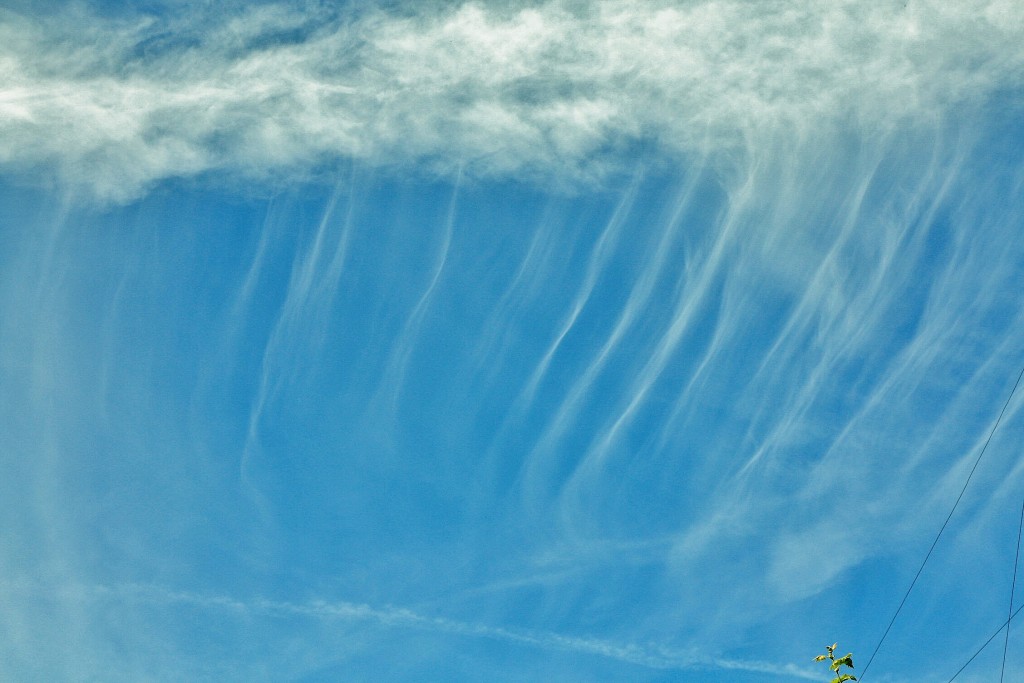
(847,660)
(820,658)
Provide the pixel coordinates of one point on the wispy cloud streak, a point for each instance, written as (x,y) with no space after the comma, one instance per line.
(650,656)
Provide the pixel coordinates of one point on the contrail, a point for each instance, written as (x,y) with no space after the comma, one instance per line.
(650,656)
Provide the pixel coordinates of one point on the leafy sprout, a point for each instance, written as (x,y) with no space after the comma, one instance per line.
(837,663)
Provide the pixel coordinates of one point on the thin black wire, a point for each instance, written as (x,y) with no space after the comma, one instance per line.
(1005,624)
(948,517)
(1013,587)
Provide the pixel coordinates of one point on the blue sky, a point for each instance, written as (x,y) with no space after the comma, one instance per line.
(545,341)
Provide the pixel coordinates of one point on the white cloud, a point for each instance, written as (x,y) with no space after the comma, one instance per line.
(549,91)
(650,656)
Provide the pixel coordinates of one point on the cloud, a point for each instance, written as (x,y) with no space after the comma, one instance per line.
(650,656)
(552,90)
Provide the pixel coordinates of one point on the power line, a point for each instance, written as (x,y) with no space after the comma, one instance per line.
(1005,624)
(948,517)
(1013,587)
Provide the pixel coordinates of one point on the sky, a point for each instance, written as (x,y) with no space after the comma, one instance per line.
(509,341)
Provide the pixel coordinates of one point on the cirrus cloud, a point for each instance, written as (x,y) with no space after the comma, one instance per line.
(551,91)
